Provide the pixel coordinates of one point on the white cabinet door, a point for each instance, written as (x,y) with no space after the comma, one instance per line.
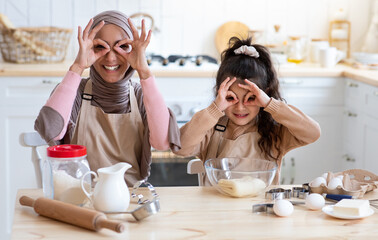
(322,156)
(352,125)
(21,99)
(370,140)
(322,99)
(288,169)
(352,139)
(370,129)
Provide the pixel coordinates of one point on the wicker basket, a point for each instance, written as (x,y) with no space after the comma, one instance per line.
(34,45)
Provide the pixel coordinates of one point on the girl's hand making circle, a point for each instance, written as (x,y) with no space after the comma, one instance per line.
(225,97)
(89,49)
(255,95)
(134,50)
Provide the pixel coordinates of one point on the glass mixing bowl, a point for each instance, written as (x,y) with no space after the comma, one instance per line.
(240,177)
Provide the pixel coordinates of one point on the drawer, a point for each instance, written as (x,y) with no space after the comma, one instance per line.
(313,91)
(27,91)
(354,93)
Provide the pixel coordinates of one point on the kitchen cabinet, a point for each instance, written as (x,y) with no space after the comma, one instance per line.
(360,133)
(20,102)
(321,98)
(370,127)
(352,126)
(370,143)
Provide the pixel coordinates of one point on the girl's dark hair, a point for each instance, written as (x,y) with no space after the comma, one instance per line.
(260,71)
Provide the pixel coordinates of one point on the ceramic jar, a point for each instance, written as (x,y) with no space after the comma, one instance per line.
(315,46)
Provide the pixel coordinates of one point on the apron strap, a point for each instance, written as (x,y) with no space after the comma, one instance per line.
(217,137)
(133,100)
(82,118)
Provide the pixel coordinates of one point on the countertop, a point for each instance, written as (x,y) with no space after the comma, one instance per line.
(289,70)
(203,213)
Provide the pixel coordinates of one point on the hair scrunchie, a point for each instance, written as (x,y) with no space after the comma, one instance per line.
(247,50)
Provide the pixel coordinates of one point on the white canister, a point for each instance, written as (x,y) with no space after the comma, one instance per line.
(340,15)
(339,33)
(65,166)
(315,46)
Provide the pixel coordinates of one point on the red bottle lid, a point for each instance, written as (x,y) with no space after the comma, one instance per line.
(66,151)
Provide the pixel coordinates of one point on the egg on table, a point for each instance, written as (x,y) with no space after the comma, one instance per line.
(283,208)
(315,201)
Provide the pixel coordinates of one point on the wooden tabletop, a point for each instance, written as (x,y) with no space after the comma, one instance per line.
(203,213)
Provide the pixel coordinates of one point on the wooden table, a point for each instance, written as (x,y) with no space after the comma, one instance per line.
(202,213)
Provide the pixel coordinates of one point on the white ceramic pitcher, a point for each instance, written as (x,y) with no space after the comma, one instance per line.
(110,193)
(329,57)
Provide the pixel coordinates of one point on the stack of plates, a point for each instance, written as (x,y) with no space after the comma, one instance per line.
(366,58)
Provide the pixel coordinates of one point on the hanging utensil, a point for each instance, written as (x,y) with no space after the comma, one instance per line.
(139,16)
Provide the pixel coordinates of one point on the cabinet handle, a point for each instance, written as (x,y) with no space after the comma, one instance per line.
(48,82)
(291,81)
(292,162)
(292,172)
(292,181)
(348,158)
(350,114)
(350,84)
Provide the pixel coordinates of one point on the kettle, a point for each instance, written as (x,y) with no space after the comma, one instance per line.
(110,193)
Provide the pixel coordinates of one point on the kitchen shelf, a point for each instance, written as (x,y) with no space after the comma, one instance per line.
(344,25)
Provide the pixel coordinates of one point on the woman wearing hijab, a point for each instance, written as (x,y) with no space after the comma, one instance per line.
(116,119)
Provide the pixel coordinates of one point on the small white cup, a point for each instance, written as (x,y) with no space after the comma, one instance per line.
(329,57)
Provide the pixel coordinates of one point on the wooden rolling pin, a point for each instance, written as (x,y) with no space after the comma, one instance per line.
(68,213)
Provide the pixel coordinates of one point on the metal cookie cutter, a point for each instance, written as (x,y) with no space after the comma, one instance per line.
(148,207)
(300,192)
(140,196)
(264,207)
(278,193)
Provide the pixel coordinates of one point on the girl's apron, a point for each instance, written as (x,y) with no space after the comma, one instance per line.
(245,146)
(110,138)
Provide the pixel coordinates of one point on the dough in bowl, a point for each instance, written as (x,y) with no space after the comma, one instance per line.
(242,187)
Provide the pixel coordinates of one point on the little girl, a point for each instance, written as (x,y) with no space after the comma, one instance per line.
(248,118)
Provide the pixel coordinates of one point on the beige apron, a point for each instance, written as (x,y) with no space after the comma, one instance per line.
(110,138)
(220,147)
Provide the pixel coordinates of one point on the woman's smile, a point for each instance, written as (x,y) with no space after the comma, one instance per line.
(111,67)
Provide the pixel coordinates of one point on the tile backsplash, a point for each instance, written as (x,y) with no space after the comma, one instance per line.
(189,27)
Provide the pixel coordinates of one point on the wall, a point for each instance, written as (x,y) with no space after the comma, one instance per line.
(188,27)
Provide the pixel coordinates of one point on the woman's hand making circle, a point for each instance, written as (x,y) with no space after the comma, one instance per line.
(135,54)
(255,96)
(225,97)
(88,53)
